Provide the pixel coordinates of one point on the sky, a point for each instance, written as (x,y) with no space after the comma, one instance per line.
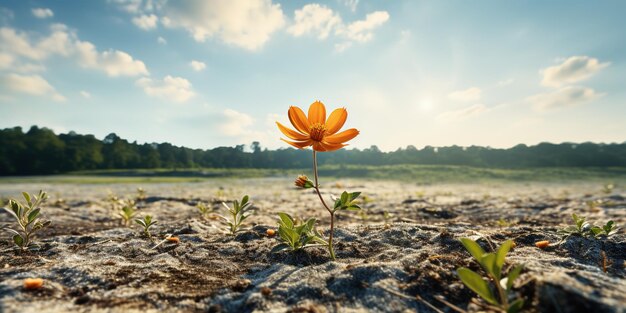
(214,73)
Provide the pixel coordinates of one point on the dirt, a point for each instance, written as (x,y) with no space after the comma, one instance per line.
(91,262)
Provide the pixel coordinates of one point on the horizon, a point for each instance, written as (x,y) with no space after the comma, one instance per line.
(205,74)
(248,145)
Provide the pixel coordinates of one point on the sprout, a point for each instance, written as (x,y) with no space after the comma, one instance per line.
(146,223)
(237,213)
(296,235)
(27,217)
(492,264)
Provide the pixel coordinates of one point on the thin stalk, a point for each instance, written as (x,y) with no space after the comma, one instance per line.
(503,297)
(332,213)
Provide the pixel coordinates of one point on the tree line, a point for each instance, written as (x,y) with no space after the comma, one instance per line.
(41,151)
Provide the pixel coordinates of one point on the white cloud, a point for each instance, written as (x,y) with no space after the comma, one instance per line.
(464,113)
(235,123)
(469,94)
(130,6)
(244,23)
(505,82)
(146,22)
(568,96)
(572,70)
(65,43)
(85,94)
(351,4)
(6,60)
(197,65)
(175,89)
(362,31)
(161,40)
(31,84)
(314,18)
(113,62)
(42,13)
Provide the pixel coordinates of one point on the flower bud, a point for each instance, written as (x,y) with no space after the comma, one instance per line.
(303,182)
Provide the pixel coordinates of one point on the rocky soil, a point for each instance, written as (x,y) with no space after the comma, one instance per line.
(90,262)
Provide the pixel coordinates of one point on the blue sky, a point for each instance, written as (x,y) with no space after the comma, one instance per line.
(210,73)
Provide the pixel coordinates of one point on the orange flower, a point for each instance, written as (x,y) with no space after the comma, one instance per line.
(317,131)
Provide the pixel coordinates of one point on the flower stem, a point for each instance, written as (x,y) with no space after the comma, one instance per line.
(332,213)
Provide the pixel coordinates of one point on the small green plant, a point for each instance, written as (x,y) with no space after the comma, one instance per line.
(607,229)
(27,217)
(204,209)
(585,229)
(146,223)
(296,235)
(127,212)
(492,264)
(237,213)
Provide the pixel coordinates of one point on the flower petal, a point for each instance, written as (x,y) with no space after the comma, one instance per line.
(318,146)
(298,119)
(317,113)
(342,136)
(298,144)
(291,133)
(335,121)
(327,146)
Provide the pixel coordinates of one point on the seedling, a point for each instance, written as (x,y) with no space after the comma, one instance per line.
(585,229)
(204,209)
(237,213)
(127,212)
(26,214)
(492,265)
(295,235)
(607,230)
(146,223)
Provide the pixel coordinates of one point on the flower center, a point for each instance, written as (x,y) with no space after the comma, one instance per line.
(317,131)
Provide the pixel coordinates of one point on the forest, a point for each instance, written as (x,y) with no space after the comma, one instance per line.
(40,151)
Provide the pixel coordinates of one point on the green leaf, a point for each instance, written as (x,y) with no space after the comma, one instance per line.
(140,222)
(501,253)
(608,227)
(344,197)
(515,306)
(476,283)
(597,230)
(513,275)
(244,201)
(10,211)
(473,248)
(337,203)
(286,219)
(18,240)
(353,207)
(33,215)
(488,261)
(354,195)
(15,207)
(27,197)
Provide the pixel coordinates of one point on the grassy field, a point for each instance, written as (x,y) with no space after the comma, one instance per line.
(421,174)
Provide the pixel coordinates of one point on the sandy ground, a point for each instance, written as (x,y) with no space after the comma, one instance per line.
(92,263)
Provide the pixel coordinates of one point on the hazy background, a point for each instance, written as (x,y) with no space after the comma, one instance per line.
(219,73)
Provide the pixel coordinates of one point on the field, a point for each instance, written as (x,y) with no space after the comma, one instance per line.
(399,254)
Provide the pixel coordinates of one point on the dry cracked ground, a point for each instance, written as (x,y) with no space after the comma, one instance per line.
(92,263)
